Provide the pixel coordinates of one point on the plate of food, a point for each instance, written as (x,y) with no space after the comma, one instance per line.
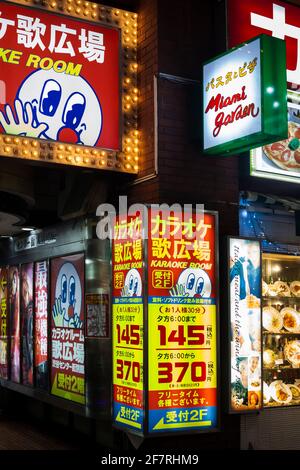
(286,153)
(295,288)
(291,319)
(280,392)
(295,391)
(269,358)
(282,289)
(292,353)
(272,320)
(264,288)
(266,393)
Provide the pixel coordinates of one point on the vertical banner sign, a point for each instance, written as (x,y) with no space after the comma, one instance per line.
(14,322)
(3,324)
(41,324)
(182,322)
(127,324)
(26,313)
(242,89)
(67,328)
(245,324)
(59,78)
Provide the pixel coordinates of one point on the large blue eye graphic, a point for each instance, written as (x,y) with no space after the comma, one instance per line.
(50,97)
(64,288)
(71,290)
(199,285)
(190,281)
(74,110)
(136,283)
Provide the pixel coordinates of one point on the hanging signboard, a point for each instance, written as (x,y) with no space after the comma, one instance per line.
(41,324)
(4,323)
(245,325)
(61,78)
(14,323)
(278,19)
(68,84)
(244,97)
(67,328)
(26,317)
(182,323)
(128,324)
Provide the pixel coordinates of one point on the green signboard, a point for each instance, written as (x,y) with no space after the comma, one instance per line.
(245,98)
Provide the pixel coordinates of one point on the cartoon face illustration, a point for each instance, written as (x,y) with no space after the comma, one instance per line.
(66,311)
(133,284)
(194,283)
(66,105)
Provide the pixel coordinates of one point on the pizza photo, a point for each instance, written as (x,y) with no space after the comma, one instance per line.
(286,153)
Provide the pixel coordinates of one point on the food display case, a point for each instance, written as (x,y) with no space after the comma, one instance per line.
(281,329)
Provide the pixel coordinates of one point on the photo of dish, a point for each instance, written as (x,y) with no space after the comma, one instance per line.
(269,358)
(266,393)
(292,353)
(282,153)
(272,320)
(272,290)
(255,384)
(264,289)
(280,392)
(295,391)
(291,319)
(295,288)
(282,289)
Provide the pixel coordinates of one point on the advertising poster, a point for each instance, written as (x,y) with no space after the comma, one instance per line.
(26,311)
(245,324)
(281,160)
(67,328)
(14,322)
(97,315)
(182,323)
(41,324)
(59,78)
(127,324)
(3,324)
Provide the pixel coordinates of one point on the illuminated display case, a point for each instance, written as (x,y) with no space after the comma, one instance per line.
(281,330)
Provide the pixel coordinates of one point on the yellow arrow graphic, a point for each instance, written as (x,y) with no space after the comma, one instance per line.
(128,422)
(194,424)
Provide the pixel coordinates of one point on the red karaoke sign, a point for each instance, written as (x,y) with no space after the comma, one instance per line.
(275,18)
(59,78)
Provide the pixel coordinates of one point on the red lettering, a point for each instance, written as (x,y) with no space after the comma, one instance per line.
(220,102)
(239,113)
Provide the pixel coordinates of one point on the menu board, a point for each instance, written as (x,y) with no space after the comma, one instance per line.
(67,328)
(41,324)
(182,322)
(14,322)
(3,323)
(245,324)
(128,324)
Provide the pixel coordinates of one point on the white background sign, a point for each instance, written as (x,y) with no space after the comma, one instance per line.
(232,96)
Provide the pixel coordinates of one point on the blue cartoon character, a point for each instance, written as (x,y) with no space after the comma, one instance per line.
(133,284)
(55,106)
(67,306)
(192,282)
